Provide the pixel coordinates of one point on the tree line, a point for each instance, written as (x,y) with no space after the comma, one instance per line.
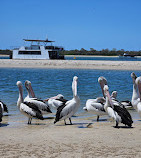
(92,51)
(104,52)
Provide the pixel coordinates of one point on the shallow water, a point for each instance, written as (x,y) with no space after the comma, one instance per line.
(103,58)
(50,82)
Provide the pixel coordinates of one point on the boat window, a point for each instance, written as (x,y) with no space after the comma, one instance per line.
(33,47)
(53,54)
(30,52)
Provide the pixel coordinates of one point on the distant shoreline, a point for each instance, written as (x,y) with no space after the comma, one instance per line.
(88,56)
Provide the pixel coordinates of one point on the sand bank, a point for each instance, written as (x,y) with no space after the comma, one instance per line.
(44,139)
(71,64)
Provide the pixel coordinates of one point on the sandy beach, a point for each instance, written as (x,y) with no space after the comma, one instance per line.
(44,139)
(71,64)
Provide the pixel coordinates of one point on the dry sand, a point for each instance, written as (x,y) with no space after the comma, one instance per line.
(44,139)
(72,64)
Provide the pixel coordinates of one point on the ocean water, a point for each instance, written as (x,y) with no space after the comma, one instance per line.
(103,58)
(94,58)
(50,82)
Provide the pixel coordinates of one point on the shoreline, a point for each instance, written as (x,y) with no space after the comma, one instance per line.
(89,56)
(71,64)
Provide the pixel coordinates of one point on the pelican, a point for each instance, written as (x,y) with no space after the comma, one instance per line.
(102,81)
(118,113)
(5,108)
(1,111)
(136,97)
(27,109)
(56,101)
(30,98)
(70,107)
(96,106)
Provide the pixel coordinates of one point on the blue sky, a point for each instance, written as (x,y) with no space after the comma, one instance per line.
(73,24)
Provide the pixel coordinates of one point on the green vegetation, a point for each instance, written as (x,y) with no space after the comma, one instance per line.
(5,52)
(92,51)
(103,52)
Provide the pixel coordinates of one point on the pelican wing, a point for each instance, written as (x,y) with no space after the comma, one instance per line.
(55,103)
(127,103)
(117,103)
(38,100)
(62,100)
(39,103)
(98,106)
(32,106)
(65,110)
(124,114)
(1,113)
(31,110)
(58,113)
(5,107)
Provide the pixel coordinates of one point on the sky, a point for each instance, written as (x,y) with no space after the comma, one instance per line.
(73,24)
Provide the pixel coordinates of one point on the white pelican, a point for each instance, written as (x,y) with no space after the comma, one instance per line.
(96,106)
(56,101)
(136,97)
(32,99)
(70,107)
(1,111)
(118,113)
(102,81)
(28,109)
(5,108)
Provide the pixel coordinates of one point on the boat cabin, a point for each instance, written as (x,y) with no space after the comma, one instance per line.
(37,51)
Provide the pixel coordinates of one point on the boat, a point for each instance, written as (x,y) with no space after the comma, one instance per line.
(38,51)
(127,55)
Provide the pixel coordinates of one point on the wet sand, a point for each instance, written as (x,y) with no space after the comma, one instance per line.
(71,64)
(44,139)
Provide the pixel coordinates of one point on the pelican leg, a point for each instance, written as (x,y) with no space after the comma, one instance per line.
(65,122)
(116,124)
(97,118)
(70,121)
(29,121)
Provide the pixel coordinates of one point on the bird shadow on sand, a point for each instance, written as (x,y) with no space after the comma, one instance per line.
(48,118)
(86,125)
(33,124)
(124,127)
(75,116)
(73,124)
(7,115)
(3,124)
